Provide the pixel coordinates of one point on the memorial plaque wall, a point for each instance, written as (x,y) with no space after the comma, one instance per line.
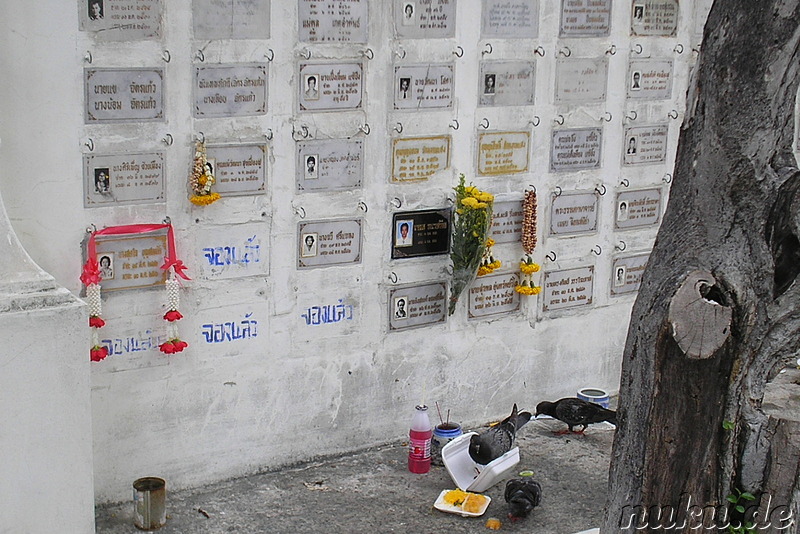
(329,164)
(117,179)
(120,95)
(417,305)
(570,288)
(418,158)
(322,243)
(337,21)
(230,90)
(573,213)
(650,79)
(504,19)
(423,86)
(331,86)
(626,273)
(239,169)
(132,261)
(424,19)
(645,144)
(637,209)
(503,153)
(576,149)
(231,19)
(506,83)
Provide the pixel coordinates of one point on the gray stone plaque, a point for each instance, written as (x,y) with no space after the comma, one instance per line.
(424,19)
(573,213)
(332,21)
(331,86)
(134,261)
(654,17)
(635,209)
(581,80)
(506,83)
(645,144)
(231,19)
(330,164)
(585,18)
(119,95)
(413,306)
(233,90)
(504,19)
(423,86)
(570,288)
(239,169)
(493,295)
(116,179)
(232,251)
(502,153)
(575,149)
(507,221)
(333,242)
(121,20)
(418,158)
(650,79)
(626,273)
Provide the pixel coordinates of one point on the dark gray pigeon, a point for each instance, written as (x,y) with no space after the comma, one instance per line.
(497,440)
(522,495)
(575,411)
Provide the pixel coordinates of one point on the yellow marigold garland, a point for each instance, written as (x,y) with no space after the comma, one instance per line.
(202,178)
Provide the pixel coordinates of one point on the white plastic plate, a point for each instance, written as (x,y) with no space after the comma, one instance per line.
(447,507)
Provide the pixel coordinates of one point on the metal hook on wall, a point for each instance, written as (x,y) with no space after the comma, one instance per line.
(269,135)
(637,49)
(620,246)
(673,114)
(200,56)
(87,57)
(368,53)
(487,49)
(401,54)
(270,55)
(167,139)
(89,144)
(363,206)
(551,253)
(533,188)
(484,123)
(599,191)
(200,137)
(398,127)
(365,129)
(612,50)
(535,122)
(305,53)
(631,116)
(606,117)
(667,179)
(449,270)
(454,124)
(678,48)
(597,250)
(301,211)
(166,56)
(559,120)
(458,52)
(393,277)
(167,220)
(396,202)
(91,228)
(557,192)
(624,182)
(303,130)
(539,51)
(566,52)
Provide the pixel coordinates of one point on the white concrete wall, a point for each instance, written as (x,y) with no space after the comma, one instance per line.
(296,391)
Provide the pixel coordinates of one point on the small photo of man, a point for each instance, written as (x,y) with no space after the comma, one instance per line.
(638,12)
(408,13)
(95,9)
(102,180)
(631,145)
(311,90)
(309,245)
(400,311)
(311,167)
(636,79)
(404,233)
(403,89)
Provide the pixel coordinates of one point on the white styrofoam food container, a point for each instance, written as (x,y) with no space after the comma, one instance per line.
(470,476)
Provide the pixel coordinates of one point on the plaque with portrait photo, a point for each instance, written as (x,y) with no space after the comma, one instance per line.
(645,144)
(654,18)
(423,87)
(131,261)
(650,79)
(121,20)
(417,305)
(424,19)
(638,209)
(239,169)
(331,242)
(329,164)
(330,86)
(626,273)
(119,179)
(506,83)
(421,233)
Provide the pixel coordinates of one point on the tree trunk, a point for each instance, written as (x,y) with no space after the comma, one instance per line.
(717,312)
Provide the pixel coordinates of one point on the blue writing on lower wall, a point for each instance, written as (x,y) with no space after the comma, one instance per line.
(146,341)
(230,255)
(331,313)
(231,330)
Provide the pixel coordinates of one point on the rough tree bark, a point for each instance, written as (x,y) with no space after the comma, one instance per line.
(718,311)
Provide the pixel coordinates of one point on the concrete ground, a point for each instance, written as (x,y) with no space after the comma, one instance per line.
(373,492)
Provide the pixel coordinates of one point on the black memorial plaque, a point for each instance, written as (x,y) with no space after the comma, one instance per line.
(421,233)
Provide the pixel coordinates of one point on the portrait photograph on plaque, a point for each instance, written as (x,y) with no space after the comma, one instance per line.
(650,79)
(654,18)
(645,144)
(119,179)
(638,209)
(330,86)
(331,242)
(111,20)
(506,83)
(424,19)
(239,169)
(423,86)
(329,164)
(131,261)
(414,306)
(626,273)
(421,233)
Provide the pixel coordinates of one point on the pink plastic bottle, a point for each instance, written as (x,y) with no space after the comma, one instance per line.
(419,444)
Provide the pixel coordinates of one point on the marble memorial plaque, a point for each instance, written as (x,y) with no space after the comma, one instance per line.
(231,90)
(573,213)
(419,158)
(132,261)
(504,19)
(581,80)
(231,19)
(424,19)
(575,149)
(492,295)
(585,18)
(121,20)
(331,86)
(650,79)
(239,169)
(332,21)
(413,306)
(506,83)
(654,18)
(626,273)
(636,209)
(507,219)
(117,179)
(421,233)
(332,242)
(645,144)
(124,95)
(232,251)
(330,164)
(423,86)
(501,153)
(569,288)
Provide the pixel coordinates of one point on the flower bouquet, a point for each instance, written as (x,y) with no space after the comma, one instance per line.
(473,221)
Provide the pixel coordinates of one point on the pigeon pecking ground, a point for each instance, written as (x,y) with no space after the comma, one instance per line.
(372,491)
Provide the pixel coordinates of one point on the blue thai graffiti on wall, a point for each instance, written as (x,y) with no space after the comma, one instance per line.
(146,341)
(330,313)
(231,330)
(250,252)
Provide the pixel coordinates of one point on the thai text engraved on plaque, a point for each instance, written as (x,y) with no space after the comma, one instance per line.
(239,169)
(421,233)
(231,19)
(329,164)
(493,295)
(121,20)
(645,144)
(132,261)
(573,213)
(412,306)
(331,86)
(333,242)
(117,179)
(424,19)
(507,217)
(502,153)
(654,18)
(626,273)
(332,21)
(575,149)
(230,90)
(581,80)
(637,209)
(506,83)
(569,288)
(423,86)
(504,19)
(419,158)
(650,79)
(585,18)
(124,95)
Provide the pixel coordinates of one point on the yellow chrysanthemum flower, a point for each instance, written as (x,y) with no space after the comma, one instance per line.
(490,242)
(529,268)
(480,204)
(470,202)
(536,290)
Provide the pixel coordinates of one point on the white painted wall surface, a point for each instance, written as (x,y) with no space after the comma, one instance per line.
(296,391)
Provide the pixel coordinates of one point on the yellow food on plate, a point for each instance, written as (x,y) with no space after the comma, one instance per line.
(473,503)
(493,523)
(455,497)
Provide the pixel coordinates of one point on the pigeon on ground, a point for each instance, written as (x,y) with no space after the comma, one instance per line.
(574,412)
(497,440)
(522,495)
